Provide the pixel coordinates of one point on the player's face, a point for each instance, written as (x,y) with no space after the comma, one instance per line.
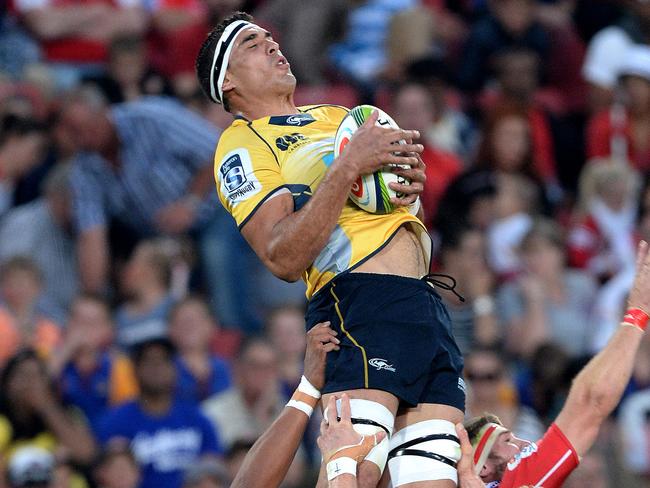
(503,452)
(257,68)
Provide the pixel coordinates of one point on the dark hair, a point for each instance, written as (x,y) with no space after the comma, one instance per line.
(139,349)
(473,426)
(192,299)
(14,125)
(22,428)
(206,53)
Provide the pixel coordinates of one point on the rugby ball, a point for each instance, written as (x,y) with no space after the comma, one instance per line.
(369,192)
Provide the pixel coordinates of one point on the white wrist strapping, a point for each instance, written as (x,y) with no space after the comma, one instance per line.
(339,466)
(305,398)
(415,206)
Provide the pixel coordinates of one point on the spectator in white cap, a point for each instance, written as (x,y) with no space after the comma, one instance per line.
(623,131)
(31,466)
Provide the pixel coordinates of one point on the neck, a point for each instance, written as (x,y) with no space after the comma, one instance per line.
(156,403)
(259,108)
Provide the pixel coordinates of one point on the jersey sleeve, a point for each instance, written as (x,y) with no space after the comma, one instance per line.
(246,172)
(546,464)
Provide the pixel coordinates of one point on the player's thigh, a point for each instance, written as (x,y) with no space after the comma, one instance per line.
(427,411)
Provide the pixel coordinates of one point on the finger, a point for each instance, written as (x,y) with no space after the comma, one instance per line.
(646,254)
(346,414)
(411,148)
(403,202)
(412,189)
(330,346)
(409,134)
(390,157)
(379,436)
(331,410)
(323,427)
(372,119)
(465,444)
(325,337)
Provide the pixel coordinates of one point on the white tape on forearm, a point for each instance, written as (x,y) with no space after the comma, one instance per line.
(414,208)
(339,466)
(302,406)
(306,387)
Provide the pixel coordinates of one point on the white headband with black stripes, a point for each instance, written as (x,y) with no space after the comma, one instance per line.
(222,57)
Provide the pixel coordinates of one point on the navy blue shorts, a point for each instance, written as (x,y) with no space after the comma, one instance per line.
(395,336)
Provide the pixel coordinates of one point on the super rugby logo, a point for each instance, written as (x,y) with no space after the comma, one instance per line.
(380,364)
(236,176)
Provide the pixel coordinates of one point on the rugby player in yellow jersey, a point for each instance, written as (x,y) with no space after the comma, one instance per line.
(277,176)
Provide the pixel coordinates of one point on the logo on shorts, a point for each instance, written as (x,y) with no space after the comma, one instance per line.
(380,364)
(461,385)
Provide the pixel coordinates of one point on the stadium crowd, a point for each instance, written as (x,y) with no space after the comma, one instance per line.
(141,341)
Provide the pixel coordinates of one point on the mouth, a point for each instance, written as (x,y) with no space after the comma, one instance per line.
(282,61)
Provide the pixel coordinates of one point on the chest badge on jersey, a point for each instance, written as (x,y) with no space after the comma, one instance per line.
(238,181)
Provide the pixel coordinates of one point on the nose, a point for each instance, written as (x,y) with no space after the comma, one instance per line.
(272,47)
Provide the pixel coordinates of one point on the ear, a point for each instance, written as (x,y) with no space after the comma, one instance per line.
(228,83)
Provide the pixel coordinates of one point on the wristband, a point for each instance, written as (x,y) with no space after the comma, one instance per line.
(339,466)
(636,317)
(305,398)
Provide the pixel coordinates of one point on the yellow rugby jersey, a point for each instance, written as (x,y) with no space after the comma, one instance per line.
(257,160)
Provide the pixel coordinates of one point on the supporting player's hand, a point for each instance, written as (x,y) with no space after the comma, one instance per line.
(321,339)
(466,476)
(640,294)
(416,175)
(373,147)
(337,435)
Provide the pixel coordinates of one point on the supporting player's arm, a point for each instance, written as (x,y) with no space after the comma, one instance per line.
(268,461)
(287,241)
(598,387)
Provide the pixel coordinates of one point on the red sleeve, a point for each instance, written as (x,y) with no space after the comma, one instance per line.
(546,464)
(598,135)
(583,243)
(544,159)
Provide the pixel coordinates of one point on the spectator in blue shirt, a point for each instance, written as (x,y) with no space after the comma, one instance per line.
(166,435)
(201,373)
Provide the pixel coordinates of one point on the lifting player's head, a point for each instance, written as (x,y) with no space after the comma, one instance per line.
(240,64)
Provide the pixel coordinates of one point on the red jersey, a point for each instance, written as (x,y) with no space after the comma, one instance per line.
(545,464)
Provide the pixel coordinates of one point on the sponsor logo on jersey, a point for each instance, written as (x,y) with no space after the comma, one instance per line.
(380,364)
(526,451)
(298,120)
(284,142)
(238,181)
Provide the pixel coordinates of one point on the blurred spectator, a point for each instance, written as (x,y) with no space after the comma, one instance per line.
(609,49)
(75,35)
(200,372)
(450,129)
(591,472)
(602,239)
(41,230)
(128,75)
(285,329)
(22,147)
(623,130)
(518,77)
(510,23)
(166,434)
(304,28)
(490,389)
(469,199)
(508,147)
(548,301)
(361,55)
(32,415)
(516,205)
(413,107)
(22,321)
(247,408)
(17,49)
(145,284)
(462,255)
(206,473)
(92,376)
(116,466)
(31,467)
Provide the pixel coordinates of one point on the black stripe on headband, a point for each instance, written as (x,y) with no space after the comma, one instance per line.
(222,53)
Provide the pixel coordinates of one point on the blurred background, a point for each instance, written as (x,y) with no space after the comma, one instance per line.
(141,341)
